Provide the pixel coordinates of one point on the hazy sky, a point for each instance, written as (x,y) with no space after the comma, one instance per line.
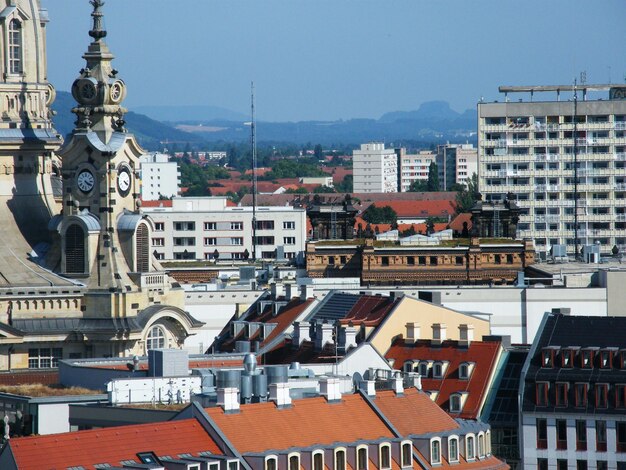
(331,59)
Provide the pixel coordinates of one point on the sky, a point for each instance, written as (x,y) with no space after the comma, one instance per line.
(340,59)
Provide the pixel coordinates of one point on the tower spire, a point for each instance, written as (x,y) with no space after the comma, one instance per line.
(97,32)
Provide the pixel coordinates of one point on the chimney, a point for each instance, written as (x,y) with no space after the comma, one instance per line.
(323,335)
(412,333)
(439,333)
(228,398)
(276,290)
(301,332)
(347,337)
(306,291)
(398,383)
(279,393)
(288,291)
(415,380)
(330,388)
(466,334)
(368,387)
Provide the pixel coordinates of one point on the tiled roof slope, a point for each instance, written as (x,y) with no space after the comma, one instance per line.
(484,354)
(110,445)
(413,413)
(355,308)
(308,422)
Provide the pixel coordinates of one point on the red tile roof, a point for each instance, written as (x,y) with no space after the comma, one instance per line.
(310,421)
(484,354)
(413,412)
(369,310)
(110,445)
(457,223)
(161,203)
(419,209)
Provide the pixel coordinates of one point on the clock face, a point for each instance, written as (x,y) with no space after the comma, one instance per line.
(85,181)
(123,181)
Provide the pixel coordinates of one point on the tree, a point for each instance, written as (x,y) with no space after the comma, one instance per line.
(433,177)
(382,215)
(418,186)
(318,152)
(323,189)
(467,197)
(346,186)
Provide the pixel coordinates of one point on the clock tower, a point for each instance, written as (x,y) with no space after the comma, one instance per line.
(102,239)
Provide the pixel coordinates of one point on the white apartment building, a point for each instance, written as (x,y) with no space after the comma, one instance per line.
(195,227)
(375,169)
(564,160)
(413,167)
(456,164)
(159,177)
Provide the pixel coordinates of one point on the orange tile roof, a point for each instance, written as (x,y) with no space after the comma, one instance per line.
(413,412)
(457,223)
(160,203)
(420,209)
(484,354)
(110,445)
(311,421)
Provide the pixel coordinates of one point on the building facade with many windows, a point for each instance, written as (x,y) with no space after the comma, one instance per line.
(375,169)
(456,163)
(413,167)
(160,177)
(564,160)
(206,228)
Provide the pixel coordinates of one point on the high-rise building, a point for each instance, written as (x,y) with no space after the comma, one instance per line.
(160,177)
(375,169)
(564,160)
(456,163)
(413,167)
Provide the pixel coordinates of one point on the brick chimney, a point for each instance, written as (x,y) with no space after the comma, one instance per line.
(440,333)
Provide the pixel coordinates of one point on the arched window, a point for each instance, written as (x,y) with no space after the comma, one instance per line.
(361,458)
(464,371)
(156,338)
(435,451)
(318,460)
(384,457)
(481,445)
(75,250)
(453,449)
(455,403)
(271,463)
(424,369)
(407,454)
(142,239)
(470,451)
(15,47)
(488,443)
(294,462)
(340,459)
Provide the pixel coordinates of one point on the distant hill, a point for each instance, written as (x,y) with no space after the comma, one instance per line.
(149,133)
(434,110)
(191,113)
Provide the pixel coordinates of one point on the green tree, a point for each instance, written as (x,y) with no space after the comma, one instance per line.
(380,215)
(433,177)
(318,151)
(323,189)
(345,186)
(418,186)
(300,190)
(467,197)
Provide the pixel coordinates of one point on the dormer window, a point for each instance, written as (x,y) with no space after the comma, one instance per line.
(318,460)
(470,450)
(407,454)
(622,359)
(567,358)
(453,449)
(271,463)
(586,359)
(481,445)
(15,47)
(438,370)
(340,459)
(606,359)
(384,457)
(294,462)
(423,369)
(435,451)
(547,358)
(361,458)
(455,403)
(464,371)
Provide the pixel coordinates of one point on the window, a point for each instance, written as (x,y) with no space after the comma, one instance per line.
(542,464)
(438,370)
(15,47)
(294,462)
(586,358)
(481,445)
(606,359)
(561,464)
(384,457)
(601,436)
(210,226)
(581,465)
(184,241)
(464,371)
(142,249)
(567,358)
(561,434)
(233,465)
(265,225)
(210,241)
(602,465)
(620,396)
(435,451)
(620,434)
(288,225)
(407,454)
(385,260)
(602,392)
(236,241)
(459,260)
(184,226)
(340,459)
(453,449)
(470,450)
(561,394)
(271,463)
(155,339)
(541,425)
(159,226)
(581,395)
(455,403)
(264,240)
(423,369)
(422,260)
(361,458)
(44,358)
(547,358)
(433,261)
(75,250)
(236,225)
(542,394)
(581,434)
(158,242)
(331,260)
(318,461)
(289,240)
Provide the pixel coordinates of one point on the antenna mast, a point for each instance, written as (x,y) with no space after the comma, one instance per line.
(254,177)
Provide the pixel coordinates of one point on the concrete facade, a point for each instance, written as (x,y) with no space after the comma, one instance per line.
(375,169)
(456,164)
(194,228)
(159,177)
(413,167)
(537,149)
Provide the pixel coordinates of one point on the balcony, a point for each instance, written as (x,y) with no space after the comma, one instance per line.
(620,126)
(151,280)
(620,156)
